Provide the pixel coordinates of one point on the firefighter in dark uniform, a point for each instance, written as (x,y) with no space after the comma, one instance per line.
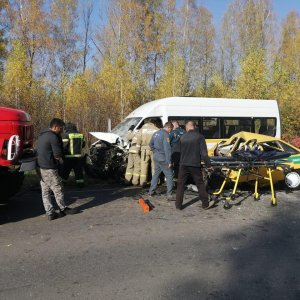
(175,136)
(73,142)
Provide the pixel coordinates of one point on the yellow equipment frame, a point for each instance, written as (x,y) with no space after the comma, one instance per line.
(256,195)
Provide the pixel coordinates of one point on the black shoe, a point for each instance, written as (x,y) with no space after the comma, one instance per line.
(179,207)
(152,194)
(54,216)
(208,205)
(70,211)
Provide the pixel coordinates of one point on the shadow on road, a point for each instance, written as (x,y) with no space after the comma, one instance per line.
(99,195)
(22,206)
(260,262)
(29,204)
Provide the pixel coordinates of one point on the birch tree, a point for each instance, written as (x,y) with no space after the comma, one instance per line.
(65,59)
(17,79)
(29,25)
(87,11)
(196,41)
(286,74)
(252,82)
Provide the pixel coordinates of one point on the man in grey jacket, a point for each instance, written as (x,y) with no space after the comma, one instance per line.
(50,156)
(160,145)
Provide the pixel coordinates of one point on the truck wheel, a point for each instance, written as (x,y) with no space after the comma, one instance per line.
(292,180)
(10,184)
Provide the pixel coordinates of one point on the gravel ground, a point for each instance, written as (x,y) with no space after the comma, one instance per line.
(112,250)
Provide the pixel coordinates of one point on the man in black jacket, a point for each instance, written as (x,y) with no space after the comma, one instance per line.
(193,149)
(50,156)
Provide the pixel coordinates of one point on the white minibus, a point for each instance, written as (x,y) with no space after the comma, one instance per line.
(216,118)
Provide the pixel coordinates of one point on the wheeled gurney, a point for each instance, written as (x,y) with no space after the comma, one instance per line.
(249,164)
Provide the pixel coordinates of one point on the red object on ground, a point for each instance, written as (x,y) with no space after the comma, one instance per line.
(146,208)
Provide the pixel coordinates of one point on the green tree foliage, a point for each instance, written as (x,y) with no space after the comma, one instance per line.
(286,75)
(252,82)
(17,79)
(174,81)
(117,87)
(143,50)
(216,87)
(246,25)
(29,25)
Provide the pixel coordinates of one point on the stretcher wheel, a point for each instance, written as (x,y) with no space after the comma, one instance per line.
(256,198)
(274,204)
(227,205)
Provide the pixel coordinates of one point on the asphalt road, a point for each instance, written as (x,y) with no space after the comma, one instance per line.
(112,250)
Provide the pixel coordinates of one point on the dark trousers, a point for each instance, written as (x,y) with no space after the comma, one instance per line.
(196,173)
(73,163)
(175,158)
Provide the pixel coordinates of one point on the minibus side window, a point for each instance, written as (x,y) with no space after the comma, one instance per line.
(235,125)
(183,120)
(211,127)
(266,126)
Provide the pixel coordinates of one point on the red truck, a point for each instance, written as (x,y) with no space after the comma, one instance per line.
(16,144)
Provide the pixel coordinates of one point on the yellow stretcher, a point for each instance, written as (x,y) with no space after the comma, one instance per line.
(234,169)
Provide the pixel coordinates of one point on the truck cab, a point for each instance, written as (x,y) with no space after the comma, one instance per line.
(16,143)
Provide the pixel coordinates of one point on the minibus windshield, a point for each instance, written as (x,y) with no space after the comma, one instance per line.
(122,128)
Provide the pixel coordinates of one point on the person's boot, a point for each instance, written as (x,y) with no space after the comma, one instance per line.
(54,216)
(208,205)
(70,211)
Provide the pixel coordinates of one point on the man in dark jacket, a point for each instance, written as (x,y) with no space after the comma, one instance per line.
(73,142)
(160,145)
(50,155)
(193,149)
(175,136)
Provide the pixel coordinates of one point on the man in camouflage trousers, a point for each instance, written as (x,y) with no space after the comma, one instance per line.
(50,155)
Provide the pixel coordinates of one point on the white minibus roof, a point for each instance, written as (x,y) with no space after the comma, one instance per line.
(196,106)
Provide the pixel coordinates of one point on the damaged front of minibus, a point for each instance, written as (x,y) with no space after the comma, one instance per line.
(107,156)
